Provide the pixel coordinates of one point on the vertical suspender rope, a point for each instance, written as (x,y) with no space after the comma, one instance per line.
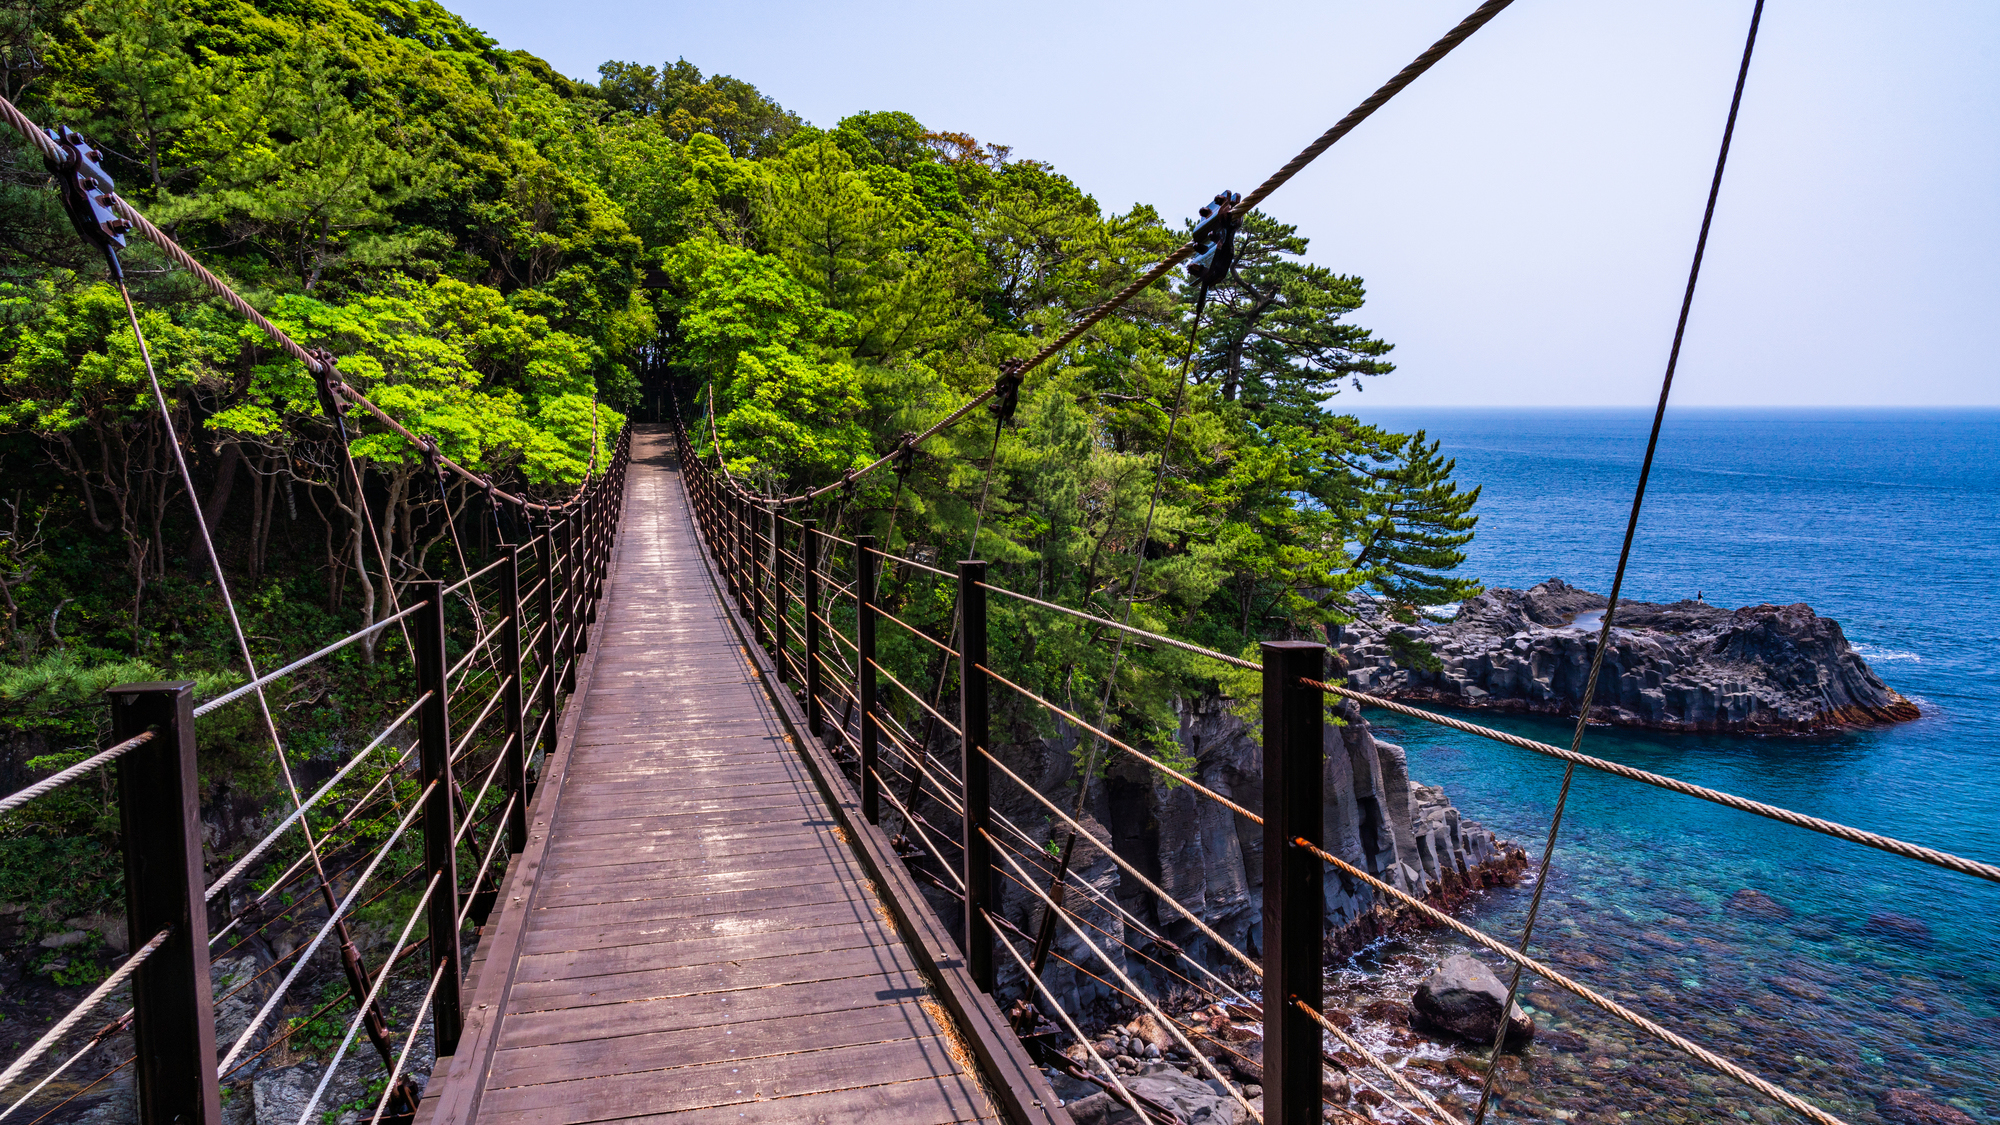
(350,957)
(1046,937)
(1624,557)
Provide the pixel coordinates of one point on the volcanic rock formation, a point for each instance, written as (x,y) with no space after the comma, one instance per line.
(1689,666)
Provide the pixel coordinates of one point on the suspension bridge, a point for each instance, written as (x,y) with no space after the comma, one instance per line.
(683,859)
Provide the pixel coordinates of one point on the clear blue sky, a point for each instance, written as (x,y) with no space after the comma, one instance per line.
(1524,214)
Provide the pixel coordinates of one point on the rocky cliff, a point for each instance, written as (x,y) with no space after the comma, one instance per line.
(1689,666)
(1211,860)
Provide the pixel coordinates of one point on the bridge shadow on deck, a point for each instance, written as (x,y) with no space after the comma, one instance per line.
(687,937)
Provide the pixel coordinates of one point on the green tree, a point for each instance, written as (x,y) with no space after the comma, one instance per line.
(1275,334)
(301,174)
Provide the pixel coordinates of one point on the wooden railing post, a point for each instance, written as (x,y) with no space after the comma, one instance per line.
(809,552)
(564,580)
(587,520)
(1294,879)
(546,654)
(781,601)
(512,708)
(759,598)
(159,815)
(579,584)
(746,564)
(972,718)
(434,773)
(864,673)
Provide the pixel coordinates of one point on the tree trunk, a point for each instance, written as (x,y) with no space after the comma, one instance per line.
(213,508)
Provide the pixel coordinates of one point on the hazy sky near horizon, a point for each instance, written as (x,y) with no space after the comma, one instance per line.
(1524,214)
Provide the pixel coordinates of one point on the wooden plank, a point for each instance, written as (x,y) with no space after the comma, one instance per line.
(923,1102)
(730,1039)
(717,1085)
(705,1009)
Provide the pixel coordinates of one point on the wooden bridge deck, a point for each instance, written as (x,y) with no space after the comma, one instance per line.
(689,937)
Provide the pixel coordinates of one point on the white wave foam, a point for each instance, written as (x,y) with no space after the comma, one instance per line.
(1876,654)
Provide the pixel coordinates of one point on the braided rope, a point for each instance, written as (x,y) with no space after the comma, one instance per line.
(1880,842)
(1590,996)
(50,784)
(1096,313)
(82,1009)
(1395,1075)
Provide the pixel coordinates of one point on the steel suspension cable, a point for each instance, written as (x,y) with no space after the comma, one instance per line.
(1092,316)
(1624,557)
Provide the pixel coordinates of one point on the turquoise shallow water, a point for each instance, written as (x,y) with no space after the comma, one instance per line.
(1879,973)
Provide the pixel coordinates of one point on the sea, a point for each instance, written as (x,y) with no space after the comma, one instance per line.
(1864,973)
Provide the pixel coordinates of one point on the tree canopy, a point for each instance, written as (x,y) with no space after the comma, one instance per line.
(513,262)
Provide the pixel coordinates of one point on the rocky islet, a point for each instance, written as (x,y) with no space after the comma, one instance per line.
(1684,666)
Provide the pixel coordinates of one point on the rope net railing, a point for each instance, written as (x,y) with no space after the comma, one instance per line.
(890,705)
(450,773)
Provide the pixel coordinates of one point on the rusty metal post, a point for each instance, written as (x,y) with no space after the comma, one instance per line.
(513,711)
(1294,879)
(972,718)
(159,815)
(864,674)
(434,773)
(809,551)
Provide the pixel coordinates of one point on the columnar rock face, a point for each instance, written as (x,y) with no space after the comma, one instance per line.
(1688,666)
(1210,859)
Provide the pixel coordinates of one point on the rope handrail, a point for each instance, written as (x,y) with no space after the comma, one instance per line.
(1167,1024)
(900,560)
(485,863)
(480,573)
(1142,756)
(409,1041)
(1170,642)
(1583,992)
(271,837)
(1396,1076)
(1111,1074)
(1835,829)
(1220,942)
(83,1007)
(1014,370)
(229,697)
(257,1024)
(884,615)
(57,781)
(361,1012)
(917,699)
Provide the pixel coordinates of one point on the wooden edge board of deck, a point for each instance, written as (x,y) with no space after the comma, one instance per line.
(1023,1089)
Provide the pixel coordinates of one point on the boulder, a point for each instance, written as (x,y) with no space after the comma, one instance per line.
(1197,1102)
(1462,997)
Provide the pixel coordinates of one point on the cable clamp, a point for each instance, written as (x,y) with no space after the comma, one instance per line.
(1214,238)
(906,453)
(86,190)
(1006,391)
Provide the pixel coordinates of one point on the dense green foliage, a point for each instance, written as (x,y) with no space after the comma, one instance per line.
(512,262)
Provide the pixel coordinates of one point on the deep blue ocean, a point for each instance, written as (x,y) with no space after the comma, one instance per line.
(1873,973)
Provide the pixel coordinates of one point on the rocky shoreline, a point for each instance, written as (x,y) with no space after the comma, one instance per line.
(1687,666)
